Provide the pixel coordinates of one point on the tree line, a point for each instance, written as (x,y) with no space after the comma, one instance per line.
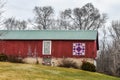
(85,18)
(108,60)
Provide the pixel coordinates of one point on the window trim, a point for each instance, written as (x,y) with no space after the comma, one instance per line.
(49,48)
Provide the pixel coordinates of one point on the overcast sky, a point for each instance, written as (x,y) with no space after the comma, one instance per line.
(23,9)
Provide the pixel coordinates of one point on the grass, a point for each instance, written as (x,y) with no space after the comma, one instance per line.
(13,71)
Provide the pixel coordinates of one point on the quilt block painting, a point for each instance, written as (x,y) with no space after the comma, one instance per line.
(78,48)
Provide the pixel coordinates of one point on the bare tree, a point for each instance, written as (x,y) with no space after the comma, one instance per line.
(63,22)
(14,24)
(116,46)
(109,59)
(43,17)
(10,24)
(2,3)
(85,18)
(21,25)
(102,57)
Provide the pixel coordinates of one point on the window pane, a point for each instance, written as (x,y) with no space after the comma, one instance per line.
(47,47)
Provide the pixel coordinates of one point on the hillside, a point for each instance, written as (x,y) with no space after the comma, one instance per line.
(12,71)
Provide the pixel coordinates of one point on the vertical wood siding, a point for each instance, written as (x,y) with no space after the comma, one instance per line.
(59,48)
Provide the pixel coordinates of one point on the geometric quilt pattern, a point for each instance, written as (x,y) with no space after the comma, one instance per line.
(78,48)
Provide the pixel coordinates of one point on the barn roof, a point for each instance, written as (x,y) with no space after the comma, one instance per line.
(48,35)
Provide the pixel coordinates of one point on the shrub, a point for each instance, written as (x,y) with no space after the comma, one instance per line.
(88,66)
(14,59)
(3,57)
(68,63)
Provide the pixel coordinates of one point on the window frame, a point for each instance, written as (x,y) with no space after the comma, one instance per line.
(50,42)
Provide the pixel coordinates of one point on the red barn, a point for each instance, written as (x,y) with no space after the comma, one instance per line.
(50,43)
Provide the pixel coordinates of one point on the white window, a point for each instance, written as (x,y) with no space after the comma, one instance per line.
(46,47)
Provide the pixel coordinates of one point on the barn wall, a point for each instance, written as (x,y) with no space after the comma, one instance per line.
(22,48)
(65,49)
(60,49)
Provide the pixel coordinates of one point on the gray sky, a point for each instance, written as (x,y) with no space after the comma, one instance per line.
(23,9)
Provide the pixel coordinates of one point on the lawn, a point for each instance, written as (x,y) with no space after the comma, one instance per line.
(12,71)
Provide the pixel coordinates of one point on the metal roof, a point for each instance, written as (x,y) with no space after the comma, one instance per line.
(48,34)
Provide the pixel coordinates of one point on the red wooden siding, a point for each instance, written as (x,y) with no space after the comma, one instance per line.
(59,48)
(65,49)
(22,47)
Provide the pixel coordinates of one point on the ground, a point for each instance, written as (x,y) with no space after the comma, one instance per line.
(13,71)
